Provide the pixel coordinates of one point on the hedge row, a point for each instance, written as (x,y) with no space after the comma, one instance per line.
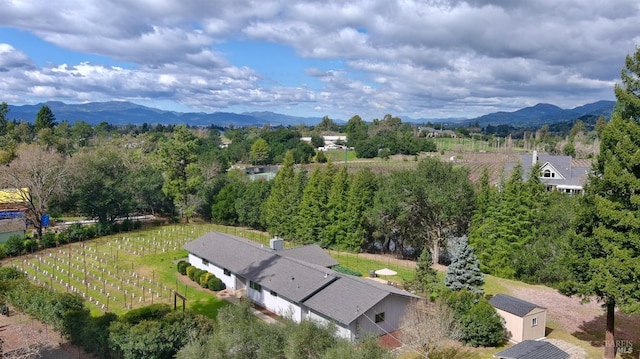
(202,277)
(17,245)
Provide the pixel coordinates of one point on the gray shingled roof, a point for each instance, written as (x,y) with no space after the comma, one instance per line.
(311,253)
(574,176)
(513,305)
(531,349)
(348,297)
(338,296)
(287,277)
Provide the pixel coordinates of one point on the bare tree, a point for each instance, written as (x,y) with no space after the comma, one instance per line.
(429,327)
(37,175)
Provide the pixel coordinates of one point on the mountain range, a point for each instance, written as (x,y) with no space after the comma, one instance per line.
(123,113)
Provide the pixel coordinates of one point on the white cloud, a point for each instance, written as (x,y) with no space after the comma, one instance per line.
(419,57)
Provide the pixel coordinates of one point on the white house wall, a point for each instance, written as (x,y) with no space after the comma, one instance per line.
(281,306)
(228,280)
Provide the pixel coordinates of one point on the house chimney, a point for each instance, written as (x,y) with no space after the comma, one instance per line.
(534,158)
(276,243)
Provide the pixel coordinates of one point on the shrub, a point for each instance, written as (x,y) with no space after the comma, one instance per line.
(30,245)
(14,245)
(215,284)
(126,225)
(137,225)
(204,278)
(189,271)
(62,238)
(150,312)
(3,253)
(481,325)
(182,267)
(76,233)
(49,240)
(90,232)
(116,227)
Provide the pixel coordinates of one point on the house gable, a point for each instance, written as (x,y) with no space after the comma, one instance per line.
(547,171)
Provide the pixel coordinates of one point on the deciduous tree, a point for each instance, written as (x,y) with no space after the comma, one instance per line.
(38,175)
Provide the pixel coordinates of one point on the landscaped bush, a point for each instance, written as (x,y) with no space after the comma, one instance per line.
(215,284)
(182,267)
(189,271)
(62,238)
(204,278)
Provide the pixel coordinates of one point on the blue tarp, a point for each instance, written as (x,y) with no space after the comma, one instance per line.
(11,215)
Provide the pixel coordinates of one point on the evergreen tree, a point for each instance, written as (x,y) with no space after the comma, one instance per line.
(281,207)
(362,188)
(606,255)
(426,279)
(311,220)
(464,270)
(45,119)
(337,227)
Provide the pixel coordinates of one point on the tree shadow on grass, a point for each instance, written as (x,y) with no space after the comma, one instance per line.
(208,307)
(627,333)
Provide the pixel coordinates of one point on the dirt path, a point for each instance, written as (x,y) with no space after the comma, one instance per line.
(20,331)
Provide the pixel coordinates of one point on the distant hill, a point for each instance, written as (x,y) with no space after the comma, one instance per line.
(123,113)
(543,113)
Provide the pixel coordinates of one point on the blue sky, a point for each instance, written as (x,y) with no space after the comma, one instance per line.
(419,59)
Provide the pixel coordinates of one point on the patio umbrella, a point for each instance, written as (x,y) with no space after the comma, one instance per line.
(385,272)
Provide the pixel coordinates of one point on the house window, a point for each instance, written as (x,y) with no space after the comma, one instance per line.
(534,322)
(548,174)
(226,272)
(379,317)
(274,294)
(205,262)
(255,286)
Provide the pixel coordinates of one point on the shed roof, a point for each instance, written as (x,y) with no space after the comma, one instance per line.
(531,349)
(513,305)
(13,195)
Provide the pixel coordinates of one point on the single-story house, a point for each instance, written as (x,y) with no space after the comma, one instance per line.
(523,320)
(300,284)
(531,349)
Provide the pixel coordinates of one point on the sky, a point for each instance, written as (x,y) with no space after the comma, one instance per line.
(408,58)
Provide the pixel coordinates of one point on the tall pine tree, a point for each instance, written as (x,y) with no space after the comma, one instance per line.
(606,248)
